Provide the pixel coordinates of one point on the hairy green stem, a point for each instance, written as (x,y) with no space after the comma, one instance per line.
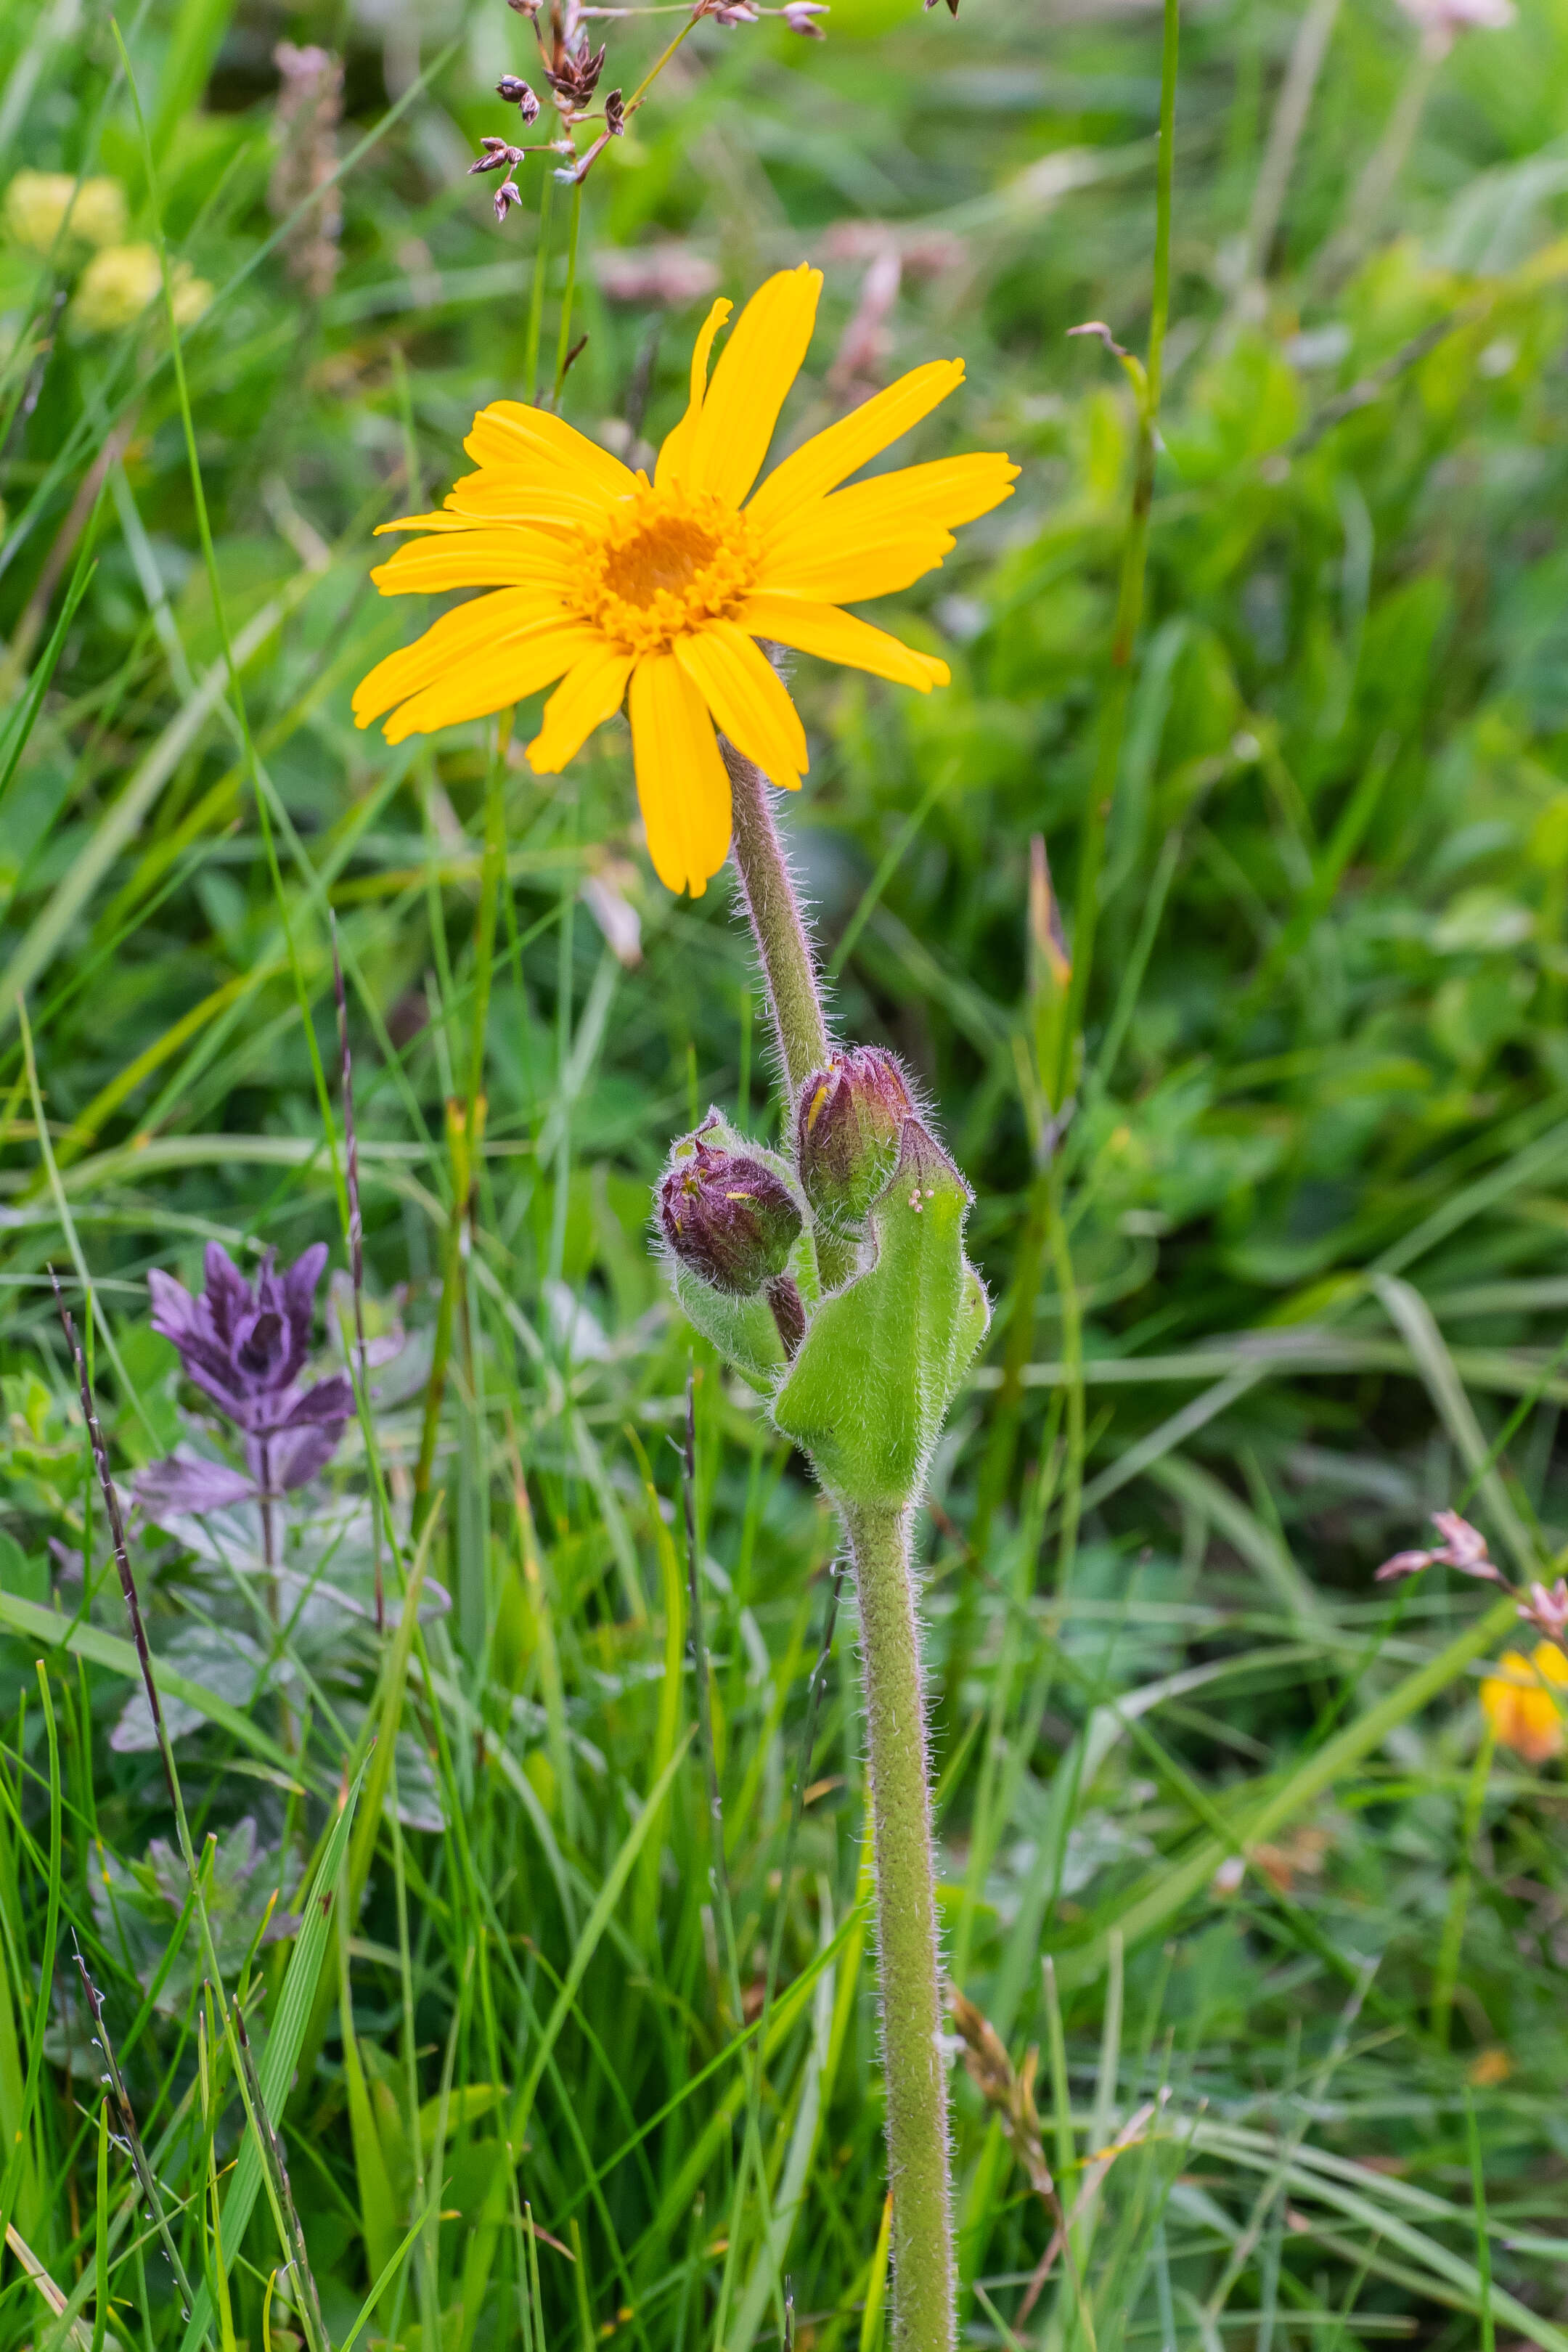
(793,996)
(923,2276)
(789,969)
(923,2271)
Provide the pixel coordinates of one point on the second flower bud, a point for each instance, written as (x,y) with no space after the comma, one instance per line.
(848,1128)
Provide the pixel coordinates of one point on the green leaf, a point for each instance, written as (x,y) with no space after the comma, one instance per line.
(742,1329)
(882,1359)
(34,1623)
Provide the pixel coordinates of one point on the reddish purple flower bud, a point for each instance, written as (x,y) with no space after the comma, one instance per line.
(498,157)
(848,1128)
(1548,1611)
(516,92)
(727,1217)
(1403,1563)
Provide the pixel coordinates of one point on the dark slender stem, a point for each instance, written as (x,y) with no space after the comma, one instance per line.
(788,1310)
(268,1502)
(260,2123)
(145,2177)
(356,1244)
(1134,559)
(269,1526)
(121,1557)
(273,2157)
(446,1314)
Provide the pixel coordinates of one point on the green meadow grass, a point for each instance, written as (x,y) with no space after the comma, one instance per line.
(1220,1839)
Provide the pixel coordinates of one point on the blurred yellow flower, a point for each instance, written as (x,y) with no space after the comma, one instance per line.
(192,296)
(115,288)
(659,591)
(117,285)
(36,204)
(1521,1705)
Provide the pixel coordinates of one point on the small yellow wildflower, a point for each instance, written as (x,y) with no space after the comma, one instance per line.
(118,285)
(36,204)
(115,288)
(1521,1705)
(658,592)
(190,296)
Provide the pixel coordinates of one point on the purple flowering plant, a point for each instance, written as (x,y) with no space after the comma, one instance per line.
(244,1345)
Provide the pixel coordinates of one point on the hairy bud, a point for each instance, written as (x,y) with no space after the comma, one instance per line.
(848,1133)
(727,1218)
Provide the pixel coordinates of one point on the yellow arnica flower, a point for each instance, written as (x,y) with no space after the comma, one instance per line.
(1521,1705)
(658,592)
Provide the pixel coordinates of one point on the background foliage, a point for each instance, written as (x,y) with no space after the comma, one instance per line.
(1306,1936)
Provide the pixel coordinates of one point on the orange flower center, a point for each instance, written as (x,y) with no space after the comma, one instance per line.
(665,564)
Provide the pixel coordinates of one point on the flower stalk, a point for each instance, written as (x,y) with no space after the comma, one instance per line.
(924,2292)
(788,968)
(865,1223)
(783,949)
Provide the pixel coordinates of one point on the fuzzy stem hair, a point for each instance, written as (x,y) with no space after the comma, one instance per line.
(907,1942)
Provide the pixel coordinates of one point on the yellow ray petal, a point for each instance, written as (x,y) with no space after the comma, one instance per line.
(828,574)
(532,440)
(677,444)
(490,680)
(747,697)
(830,457)
(480,627)
(508,494)
(505,556)
(901,505)
(760,363)
(442,522)
(814,628)
(590,693)
(683,787)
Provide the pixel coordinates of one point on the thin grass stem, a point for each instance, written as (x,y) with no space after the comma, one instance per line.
(1134,554)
